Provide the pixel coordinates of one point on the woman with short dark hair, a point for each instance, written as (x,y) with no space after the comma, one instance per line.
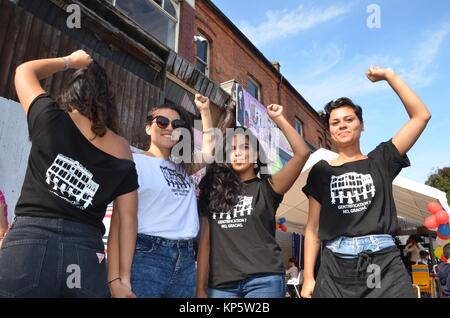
(351,205)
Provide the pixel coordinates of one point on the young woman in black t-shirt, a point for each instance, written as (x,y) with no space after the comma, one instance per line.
(351,205)
(78,164)
(238,255)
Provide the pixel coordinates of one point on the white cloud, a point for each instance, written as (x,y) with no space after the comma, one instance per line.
(419,71)
(348,79)
(323,58)
(285,23)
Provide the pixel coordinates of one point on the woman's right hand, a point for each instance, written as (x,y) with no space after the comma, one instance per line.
(120,290)
(201,293)
(79,59)
(308,288)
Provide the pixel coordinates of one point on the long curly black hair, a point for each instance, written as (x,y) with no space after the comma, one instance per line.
(221,186)
(89,92)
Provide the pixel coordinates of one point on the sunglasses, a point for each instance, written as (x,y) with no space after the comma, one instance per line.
(164,122)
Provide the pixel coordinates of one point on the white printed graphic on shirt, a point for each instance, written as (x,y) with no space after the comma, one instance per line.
(176,181)
(237,216)
(353,191)
(71,182)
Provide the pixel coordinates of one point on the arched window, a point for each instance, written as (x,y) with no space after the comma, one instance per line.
(157,17)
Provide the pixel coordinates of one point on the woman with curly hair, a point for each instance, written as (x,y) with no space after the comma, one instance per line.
(238,254)
(351,206)
(78,164)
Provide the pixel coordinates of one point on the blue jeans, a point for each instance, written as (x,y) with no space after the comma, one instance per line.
(260,286)
(163,268)
(350,247)
(50,257)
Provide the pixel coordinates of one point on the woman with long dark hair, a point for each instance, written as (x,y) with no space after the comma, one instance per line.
(164,259)
(77,165)
(351,205)
(238,255)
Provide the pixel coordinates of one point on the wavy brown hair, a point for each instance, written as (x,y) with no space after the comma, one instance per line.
(89,92)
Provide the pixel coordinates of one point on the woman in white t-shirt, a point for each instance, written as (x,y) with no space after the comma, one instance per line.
(164,259)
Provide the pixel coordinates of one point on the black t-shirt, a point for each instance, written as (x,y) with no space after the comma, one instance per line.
(243,239)
(67,176)
(356,197)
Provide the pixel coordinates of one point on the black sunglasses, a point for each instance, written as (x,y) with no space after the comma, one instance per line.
(164,122)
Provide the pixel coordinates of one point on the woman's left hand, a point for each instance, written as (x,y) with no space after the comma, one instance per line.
(274,111)
(376,73)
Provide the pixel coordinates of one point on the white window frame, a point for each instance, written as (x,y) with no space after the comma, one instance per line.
(254,82)
(298,121)
(176,5)
(208,50)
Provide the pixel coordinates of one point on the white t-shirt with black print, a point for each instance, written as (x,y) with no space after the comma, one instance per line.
(356,197)
(243,240)
(167,205)
(67,176)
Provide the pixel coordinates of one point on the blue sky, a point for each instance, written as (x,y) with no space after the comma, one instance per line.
(325,47)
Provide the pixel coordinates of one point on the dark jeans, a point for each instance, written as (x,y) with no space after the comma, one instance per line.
(163,268)
(49,257)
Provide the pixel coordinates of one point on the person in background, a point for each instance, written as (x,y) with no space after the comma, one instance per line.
(3,217)
(413,249)
(292,271)
(423,257)
(444,272)
(292,275)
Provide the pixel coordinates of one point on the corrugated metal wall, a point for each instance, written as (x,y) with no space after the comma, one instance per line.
(37,32)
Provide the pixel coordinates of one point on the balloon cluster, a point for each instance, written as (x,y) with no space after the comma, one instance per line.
(280,224)
(438,221)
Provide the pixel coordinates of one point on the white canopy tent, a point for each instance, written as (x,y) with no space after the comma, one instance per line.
(411,198)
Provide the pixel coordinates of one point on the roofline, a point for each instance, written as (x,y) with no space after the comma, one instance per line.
(247,41)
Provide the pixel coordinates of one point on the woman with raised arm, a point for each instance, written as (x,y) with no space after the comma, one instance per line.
(168,221)
(238,254)
(351,205)
(77,165)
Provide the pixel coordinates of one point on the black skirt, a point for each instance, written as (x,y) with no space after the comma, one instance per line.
(379,274)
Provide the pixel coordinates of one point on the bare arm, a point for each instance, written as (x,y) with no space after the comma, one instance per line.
(312,247)
(418,113)
(120,288)
(285,178)
(203,259)
(30,73)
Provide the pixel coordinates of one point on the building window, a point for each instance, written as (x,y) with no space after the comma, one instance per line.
(298,125)
(157,17)
(202,57)
(254,88)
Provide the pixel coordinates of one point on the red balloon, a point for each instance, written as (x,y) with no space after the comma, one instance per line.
(443,258)
(283,227)
(441,217)
(434,207)
(431,222)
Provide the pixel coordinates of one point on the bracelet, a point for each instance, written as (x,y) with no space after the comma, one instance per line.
(66,63)
(113,280)
(209,130)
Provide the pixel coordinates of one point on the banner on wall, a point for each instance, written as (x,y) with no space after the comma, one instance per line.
(252,114)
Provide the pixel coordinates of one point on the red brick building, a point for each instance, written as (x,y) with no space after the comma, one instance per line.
(209,40)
